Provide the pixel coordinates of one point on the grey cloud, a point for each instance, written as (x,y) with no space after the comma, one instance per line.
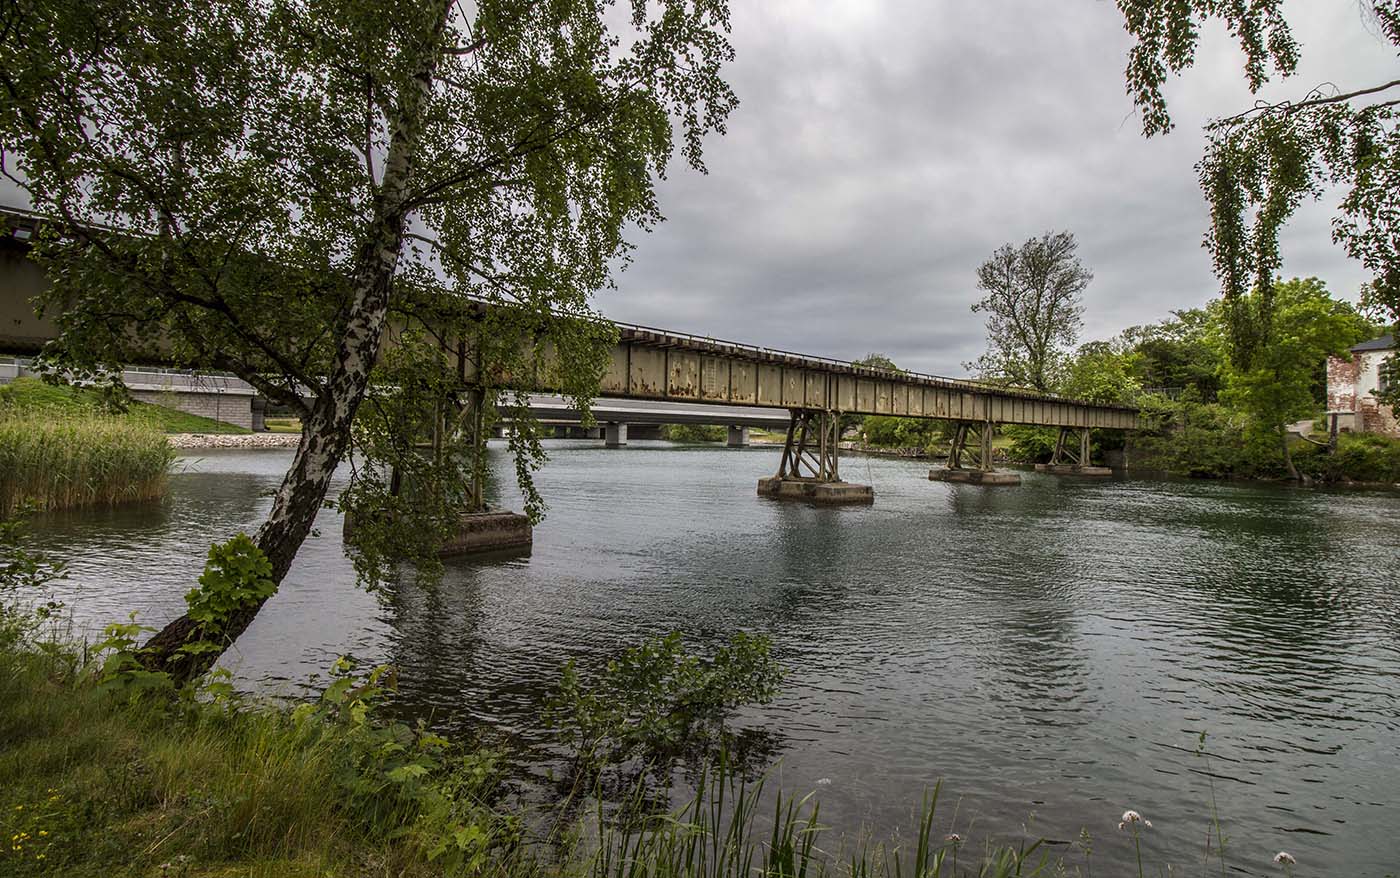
(882,151)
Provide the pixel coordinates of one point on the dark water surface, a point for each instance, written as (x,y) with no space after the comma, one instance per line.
(1050,651)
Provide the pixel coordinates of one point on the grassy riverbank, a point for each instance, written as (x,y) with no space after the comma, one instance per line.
(97,782)
(33,396)
(93,786)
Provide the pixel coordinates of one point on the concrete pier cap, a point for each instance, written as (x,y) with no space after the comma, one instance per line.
(491,532)
(1073,469)
(815,491)
(974,477)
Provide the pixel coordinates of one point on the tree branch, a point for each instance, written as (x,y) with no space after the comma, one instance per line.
(1314,99)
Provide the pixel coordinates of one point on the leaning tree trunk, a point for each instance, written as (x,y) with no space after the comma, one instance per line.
(326,434)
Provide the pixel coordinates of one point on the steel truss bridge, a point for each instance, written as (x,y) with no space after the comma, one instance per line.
(705,376)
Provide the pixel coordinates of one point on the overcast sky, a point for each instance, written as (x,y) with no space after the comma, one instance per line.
(883,150)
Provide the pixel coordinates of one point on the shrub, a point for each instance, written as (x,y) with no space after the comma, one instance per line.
(1360,457)
(694,433)
(655,700)
(1030,444)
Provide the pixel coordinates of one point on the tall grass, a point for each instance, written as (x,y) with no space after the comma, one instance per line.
(58,461)
(725,832)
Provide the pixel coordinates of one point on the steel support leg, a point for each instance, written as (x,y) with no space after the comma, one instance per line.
(810,467)
(970,459)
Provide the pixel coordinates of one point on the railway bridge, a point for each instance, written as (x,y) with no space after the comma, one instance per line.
(650,365)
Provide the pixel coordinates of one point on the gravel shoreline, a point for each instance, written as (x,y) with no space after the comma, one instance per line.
(234,440)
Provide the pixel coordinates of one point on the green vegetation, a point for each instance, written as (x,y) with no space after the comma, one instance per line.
(503,152)
(96,784)
(655,701)
(62,461)
(92,784)
(886,431)
(1262,163)
(36,396)
(1210,417)
(283,425)
(694,433)
(1032,296)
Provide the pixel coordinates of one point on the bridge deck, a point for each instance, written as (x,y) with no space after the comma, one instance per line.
(657,365)
(653,364)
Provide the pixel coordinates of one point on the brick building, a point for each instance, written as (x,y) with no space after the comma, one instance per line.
(1351,386)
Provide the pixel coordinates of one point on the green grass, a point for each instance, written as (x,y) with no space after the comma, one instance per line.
(92,786)
(283,425)
(33,395)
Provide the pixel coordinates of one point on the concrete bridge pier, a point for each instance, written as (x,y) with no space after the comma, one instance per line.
(614,435)
(970,458)
(738,437)
(809,469)
(1072,456)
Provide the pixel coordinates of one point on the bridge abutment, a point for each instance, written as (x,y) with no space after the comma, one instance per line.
(809,469)
(738,437)
(614,435)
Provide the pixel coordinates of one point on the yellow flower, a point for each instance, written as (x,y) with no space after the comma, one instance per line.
(43,832)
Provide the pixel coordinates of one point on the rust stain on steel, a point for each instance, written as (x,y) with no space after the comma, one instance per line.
(743,382)
(615,375)
(770,385)
(794,388)
(815,389)
(684,381)
(883,392)
(648,372)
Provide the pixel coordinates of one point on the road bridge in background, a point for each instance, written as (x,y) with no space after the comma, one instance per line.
(230,400)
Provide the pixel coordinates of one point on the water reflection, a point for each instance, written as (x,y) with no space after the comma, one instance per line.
(1053,649)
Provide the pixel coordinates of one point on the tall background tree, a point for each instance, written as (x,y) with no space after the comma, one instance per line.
(267,187)
(1261,163)
(1284,379)
(1032,296)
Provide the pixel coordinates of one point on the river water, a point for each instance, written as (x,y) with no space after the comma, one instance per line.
(1050,652)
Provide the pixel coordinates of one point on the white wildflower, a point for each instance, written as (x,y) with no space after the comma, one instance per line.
(953,837)
(1284,858)
(1131,817)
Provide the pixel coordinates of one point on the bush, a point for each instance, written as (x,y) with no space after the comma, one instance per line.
(892,432)
(1360,457)
(1030,444)
(656,700)
(1203,440)
(694,433)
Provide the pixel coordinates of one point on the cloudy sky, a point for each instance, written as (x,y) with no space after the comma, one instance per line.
(884,149)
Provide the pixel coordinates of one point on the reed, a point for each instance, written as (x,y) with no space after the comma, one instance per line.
(725,832)
(59,461)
